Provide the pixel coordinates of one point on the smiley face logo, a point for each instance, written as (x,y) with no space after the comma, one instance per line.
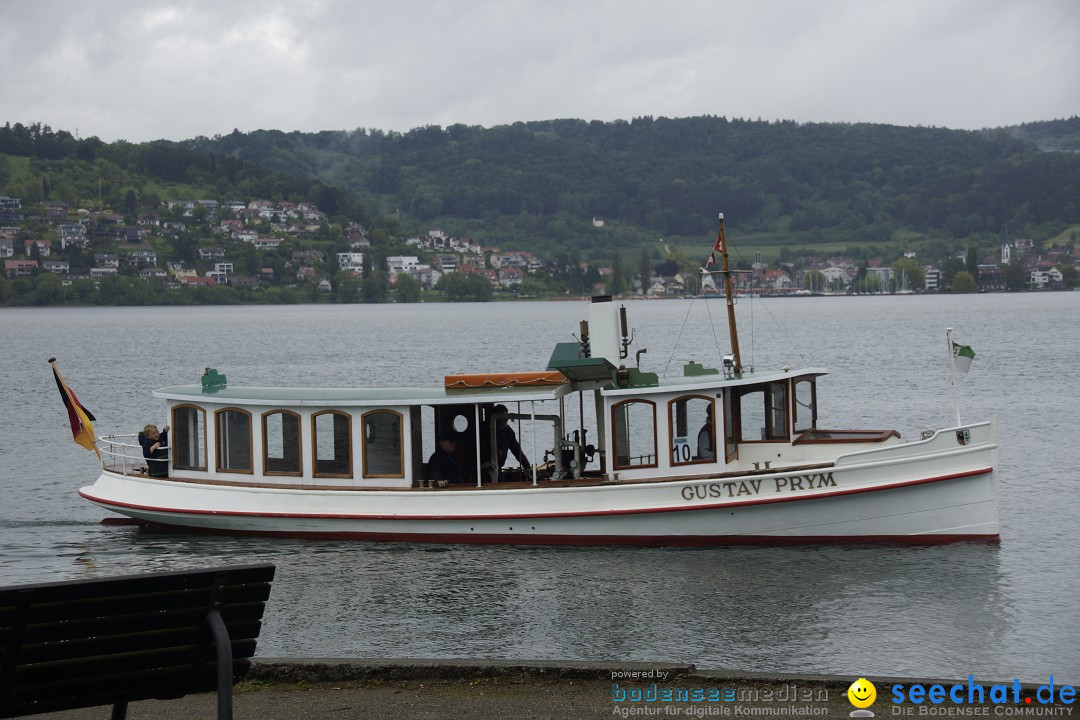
(862,693)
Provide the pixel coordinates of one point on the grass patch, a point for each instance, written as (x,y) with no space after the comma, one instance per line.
(1070,233)
(18,167)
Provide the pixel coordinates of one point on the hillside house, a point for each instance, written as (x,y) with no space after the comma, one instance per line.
(142,258)
(72,234)
(43,246)
(19,268)
(351,260)
(398,264)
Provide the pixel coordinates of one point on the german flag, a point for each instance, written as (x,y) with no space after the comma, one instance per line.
(82,430)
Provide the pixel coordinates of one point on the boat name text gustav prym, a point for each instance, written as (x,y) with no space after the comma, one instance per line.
(753,487)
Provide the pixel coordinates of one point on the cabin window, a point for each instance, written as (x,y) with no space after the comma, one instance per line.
(382,444)
(281,443)
(188,438)
(752,415)
(634,422)
(692,432)
(332,441)
(763,413)
(778,412)
(233,430)
(804,409)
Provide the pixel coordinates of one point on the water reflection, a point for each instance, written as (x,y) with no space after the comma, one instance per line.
(867,609)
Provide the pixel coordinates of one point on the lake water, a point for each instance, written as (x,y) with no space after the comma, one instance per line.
(994,611)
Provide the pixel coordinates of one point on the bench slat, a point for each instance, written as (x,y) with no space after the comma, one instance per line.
(128,624)
(98,646)
(66,672)
(124,584)
(128,604)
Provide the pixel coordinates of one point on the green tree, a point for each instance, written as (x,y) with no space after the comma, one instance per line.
(616,283)
(1016,275)
(909,274)
(480,288)
(963,282)
(48,290)
(376,287)
(347,288)
(949,268)
(454,287)
(971,262)
(131,204)
(406,289)
(645,271)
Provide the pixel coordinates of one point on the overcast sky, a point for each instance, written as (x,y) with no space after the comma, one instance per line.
(143,69)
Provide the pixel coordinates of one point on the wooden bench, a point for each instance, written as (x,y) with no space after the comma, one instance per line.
(112,641)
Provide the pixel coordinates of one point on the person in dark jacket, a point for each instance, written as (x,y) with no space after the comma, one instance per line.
(442,465)
(154,446)
(506,442)
(705,437)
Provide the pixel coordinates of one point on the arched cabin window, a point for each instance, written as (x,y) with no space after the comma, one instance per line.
(634,423)
(382,444)
(331,440)
(281,443)
(232,426)
(188,438)
(692,430)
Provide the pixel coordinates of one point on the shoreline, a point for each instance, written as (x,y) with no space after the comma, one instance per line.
(390,689)
(329,670)
(554,690)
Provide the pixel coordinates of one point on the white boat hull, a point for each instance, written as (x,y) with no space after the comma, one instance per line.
(931,491)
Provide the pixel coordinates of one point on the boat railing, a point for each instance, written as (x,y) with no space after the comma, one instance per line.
(123,454)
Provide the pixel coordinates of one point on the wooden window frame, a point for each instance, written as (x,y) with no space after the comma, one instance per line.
(766,389)
(671,429)
(217,442)
(794,400)
(315,447)
(401,443)
(615,436)
(175,424)
(732,418)
(299,444)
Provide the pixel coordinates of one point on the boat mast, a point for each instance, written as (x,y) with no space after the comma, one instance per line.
(721,247)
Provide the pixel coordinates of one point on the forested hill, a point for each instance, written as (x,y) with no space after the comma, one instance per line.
(1052,135)
(544,182)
